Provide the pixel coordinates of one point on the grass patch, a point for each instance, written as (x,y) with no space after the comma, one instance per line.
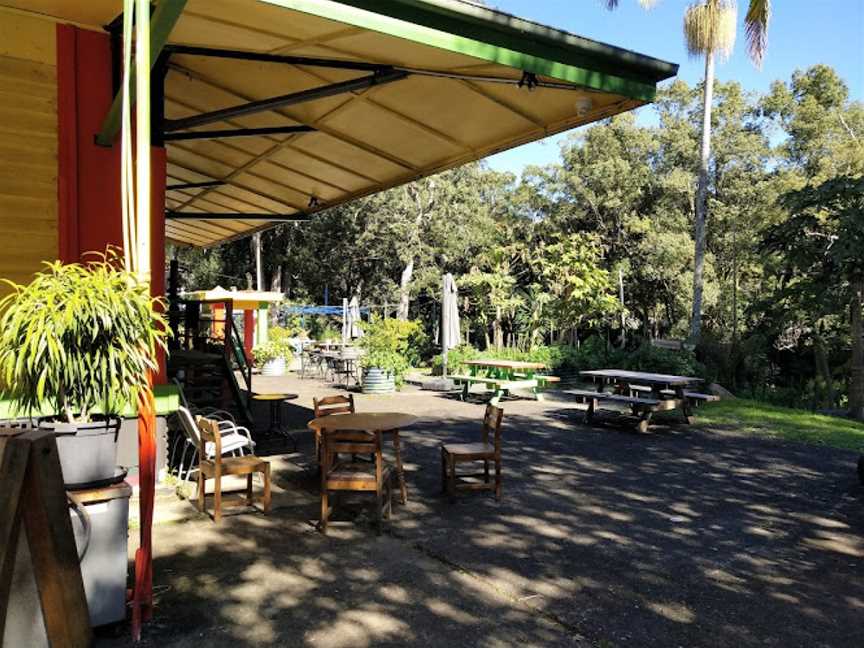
(753,417)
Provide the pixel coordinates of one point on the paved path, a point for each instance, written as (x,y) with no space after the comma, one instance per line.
(685,537)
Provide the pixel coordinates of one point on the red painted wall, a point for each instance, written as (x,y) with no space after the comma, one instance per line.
(88,186)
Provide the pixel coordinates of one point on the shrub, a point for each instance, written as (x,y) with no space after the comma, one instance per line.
(389,345)
(278,345)
(82,336)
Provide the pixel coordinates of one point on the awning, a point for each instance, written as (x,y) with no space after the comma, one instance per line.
(323,101)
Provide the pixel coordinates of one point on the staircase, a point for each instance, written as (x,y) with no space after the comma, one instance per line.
(209,374)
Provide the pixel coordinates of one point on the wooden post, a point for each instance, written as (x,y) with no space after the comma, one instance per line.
(33,497)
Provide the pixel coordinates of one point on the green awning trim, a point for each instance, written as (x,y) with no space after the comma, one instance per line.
(499,38)
(167,401)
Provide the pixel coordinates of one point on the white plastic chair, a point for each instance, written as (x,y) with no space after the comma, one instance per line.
(235,439)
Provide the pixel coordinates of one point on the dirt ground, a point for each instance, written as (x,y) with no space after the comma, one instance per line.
(603,537)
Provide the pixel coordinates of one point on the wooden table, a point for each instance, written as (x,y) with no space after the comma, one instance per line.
(504,375)
(660,392)
(276,401)
(374,423)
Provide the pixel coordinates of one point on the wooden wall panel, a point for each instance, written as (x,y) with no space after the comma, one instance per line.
(28,145)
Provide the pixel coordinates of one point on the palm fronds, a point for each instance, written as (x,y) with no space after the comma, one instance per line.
(756,25)
(709,28)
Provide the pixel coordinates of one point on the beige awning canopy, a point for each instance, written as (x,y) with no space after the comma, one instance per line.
(356,96)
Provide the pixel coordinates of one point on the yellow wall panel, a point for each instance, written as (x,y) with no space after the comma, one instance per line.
(31,38)
(28,145)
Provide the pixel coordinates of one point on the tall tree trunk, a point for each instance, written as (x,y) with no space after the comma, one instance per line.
(405,291)
(702,201)
(276,279)
(623,308)
(856,382)
(735,300)
(256,251)
(497,333)
(825,395)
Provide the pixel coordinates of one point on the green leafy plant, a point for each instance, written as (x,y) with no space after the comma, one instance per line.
(330,332)
(278,345)
(388,345)
(81,337)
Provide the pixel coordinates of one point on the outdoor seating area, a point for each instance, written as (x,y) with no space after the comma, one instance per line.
(385,323)
(717,521)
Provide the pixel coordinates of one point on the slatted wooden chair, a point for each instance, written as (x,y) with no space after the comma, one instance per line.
(329,406)
(343,475)
(214,466)
(488,450)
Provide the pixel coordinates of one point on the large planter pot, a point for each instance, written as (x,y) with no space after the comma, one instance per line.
(87,451)
(378,381)
(275,367)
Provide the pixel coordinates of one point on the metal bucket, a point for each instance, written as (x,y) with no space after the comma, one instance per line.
(275,367)
(87,451)
(378,381)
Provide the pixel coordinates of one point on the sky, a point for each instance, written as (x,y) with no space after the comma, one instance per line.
(801,33)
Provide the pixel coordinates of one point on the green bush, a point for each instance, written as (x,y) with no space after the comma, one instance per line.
(390,345)
(592,354)
(278,345)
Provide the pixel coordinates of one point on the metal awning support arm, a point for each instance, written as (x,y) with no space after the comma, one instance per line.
(196,185)
(238,132)
(283,101)
(161,23)
(265,57)
(281,218)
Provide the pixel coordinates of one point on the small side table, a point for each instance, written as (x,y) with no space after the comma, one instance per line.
(276,401)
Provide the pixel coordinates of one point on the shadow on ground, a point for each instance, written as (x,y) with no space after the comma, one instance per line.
(683,537)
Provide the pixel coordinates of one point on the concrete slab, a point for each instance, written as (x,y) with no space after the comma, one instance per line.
(683,537)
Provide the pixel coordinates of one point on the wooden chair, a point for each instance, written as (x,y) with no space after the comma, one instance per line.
(327,406)
(337,475)
(488,451)
(214,466)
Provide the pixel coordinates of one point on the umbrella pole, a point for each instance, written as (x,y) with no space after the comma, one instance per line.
(345,332)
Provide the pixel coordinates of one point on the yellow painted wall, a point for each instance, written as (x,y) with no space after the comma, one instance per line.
(28,145)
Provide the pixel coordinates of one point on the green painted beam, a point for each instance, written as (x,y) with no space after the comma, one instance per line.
(498,38)
(161,23)
(167,401)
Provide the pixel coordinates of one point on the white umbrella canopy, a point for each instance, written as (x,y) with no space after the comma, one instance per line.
(450,334)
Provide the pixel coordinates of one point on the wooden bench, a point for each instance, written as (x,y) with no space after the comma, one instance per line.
(640,406)
(695,398)
(500,386)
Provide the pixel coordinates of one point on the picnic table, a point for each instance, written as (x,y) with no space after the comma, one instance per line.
(501,376)
(644,392)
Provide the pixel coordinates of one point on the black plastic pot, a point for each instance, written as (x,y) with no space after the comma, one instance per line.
(88,451)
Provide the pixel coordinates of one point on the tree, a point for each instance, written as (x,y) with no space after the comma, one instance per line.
(821,245)
(709,31)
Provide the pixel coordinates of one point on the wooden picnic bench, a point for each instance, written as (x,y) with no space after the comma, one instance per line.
(644,393)
(503,376)
(695,398)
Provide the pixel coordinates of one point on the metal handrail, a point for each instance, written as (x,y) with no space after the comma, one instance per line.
(232,340)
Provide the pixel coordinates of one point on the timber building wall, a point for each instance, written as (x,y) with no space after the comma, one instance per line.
(28,145)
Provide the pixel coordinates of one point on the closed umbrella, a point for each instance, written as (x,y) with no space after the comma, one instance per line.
(354,330)
(450,334)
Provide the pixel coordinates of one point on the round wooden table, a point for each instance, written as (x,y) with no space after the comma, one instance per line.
(276,401)
(374,423)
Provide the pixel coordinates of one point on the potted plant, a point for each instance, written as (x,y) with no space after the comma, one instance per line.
(76,344)
(273,355)
(386,345)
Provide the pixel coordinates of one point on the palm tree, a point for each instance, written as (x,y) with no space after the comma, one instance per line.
(709,31)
